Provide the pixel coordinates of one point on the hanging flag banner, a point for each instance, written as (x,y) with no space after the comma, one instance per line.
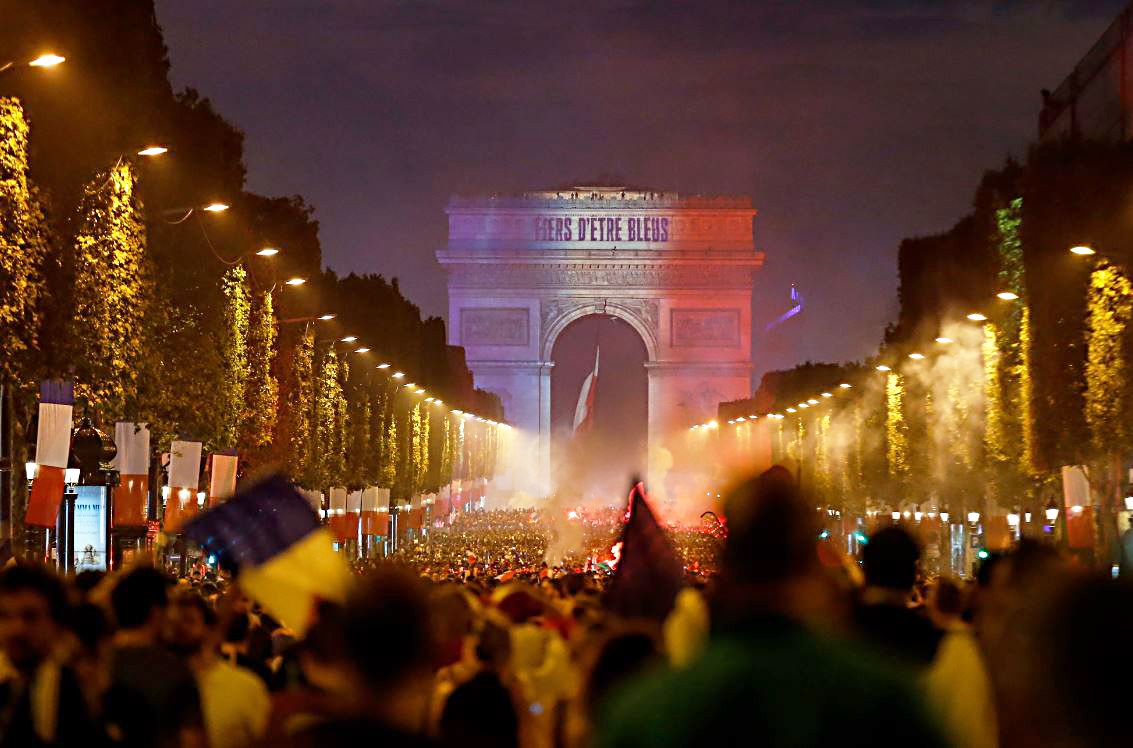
(132,464)
(1075,486)
(415,512)
(52,448)
(584,409)
(374,519)
(222,477)
(441,510)
(337,514)
(353,513)
(184,480)
(314,498)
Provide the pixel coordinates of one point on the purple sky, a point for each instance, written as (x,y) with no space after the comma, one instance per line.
(851,124)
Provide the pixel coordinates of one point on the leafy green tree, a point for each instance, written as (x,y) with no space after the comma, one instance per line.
(262,389)
(302,456)
(114,295)
(234,353)
(24,247)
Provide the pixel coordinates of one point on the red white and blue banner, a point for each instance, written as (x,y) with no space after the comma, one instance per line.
(184,482)
(222,477)
(132,462)
(584,409)
(336,515)
(374,517)
(353,513)
(52,449)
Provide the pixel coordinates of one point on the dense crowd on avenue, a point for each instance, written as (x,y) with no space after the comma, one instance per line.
(525,542)
(493,632)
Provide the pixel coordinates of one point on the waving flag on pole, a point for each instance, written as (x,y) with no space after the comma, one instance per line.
(271,539)
(52,449)
(796,307)
(584,410)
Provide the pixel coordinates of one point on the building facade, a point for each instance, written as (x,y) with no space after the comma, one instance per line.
(677,269)
(1094,100)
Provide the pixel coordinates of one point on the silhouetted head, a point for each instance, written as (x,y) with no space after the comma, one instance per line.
(771,531)
(480,713)
(388,634)
(140,598)
(890,559)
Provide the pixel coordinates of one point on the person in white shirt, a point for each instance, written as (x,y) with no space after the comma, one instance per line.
(234,701)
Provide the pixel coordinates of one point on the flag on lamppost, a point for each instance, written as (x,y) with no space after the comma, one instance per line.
(222,477)
(52,449)
(184,480)
(353,513)
(132,463)
(337,514)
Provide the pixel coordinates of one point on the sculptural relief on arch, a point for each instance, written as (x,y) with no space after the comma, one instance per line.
(677,269)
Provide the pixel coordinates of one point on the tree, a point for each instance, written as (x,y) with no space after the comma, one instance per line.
(114,295)
(23,249)
(234,354)
(262,389)
(24,246)
(302,457)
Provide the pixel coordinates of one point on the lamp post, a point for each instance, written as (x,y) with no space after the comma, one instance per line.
(94,450)
(48,60)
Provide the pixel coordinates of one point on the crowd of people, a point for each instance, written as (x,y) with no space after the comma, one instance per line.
(525,542)
(471,638)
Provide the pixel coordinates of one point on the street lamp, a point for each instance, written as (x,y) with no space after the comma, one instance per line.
(295,281)
(363,349)
(184,213)
(1082,249)
(383,365)
(882,368)
(1007,295)
(974,517)
(47,60)
(325,317)
(268,252)
(977,317)
(1052,513)
(916,356)
(944,340)
(348,339)
(153,150)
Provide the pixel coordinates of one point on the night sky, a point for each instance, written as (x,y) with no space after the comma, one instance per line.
(851,124)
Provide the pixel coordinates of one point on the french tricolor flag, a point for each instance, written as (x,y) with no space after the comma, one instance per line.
(353,513)
(283,558)
(132,462)
(584,409)
(222,477)
(184,480)
(337,514)
(52,448)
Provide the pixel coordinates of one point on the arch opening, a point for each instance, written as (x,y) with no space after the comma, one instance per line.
(596,465)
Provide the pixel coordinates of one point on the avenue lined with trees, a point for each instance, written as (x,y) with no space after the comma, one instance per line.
(136,265)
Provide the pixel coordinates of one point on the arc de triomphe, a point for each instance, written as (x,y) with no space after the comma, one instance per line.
(678,269)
